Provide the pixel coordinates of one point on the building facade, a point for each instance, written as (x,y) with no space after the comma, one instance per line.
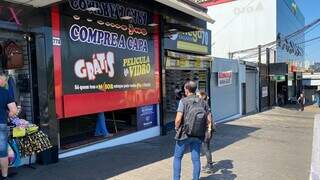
(242,25)
(91,73)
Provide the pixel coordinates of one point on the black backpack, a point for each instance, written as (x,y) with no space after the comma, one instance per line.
(195,117)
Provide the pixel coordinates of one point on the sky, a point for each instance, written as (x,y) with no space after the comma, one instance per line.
(311,12)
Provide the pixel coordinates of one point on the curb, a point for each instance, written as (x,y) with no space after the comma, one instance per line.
(315,161)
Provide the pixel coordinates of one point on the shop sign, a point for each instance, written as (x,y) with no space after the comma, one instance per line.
(146,117)
(248,9)
(289,46)
(224,78)
(10,14)
(56,41)
(211,2)
(194,42)
(278,78)
(186,63)
(102,53)
(265,91)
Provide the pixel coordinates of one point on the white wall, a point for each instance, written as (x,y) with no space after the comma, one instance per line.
(242,24)
(245,24)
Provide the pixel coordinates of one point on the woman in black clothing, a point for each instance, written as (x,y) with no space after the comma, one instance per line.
(206,144)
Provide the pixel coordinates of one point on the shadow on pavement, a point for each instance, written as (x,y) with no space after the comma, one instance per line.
(228,134)
(225,167)
(107,163)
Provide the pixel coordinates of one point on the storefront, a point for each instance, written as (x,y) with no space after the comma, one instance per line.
(106,73)
(90,75)
(225,86)
(279,85)
(24,58)
(186,58)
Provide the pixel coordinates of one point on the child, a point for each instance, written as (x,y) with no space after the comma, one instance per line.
(206,144)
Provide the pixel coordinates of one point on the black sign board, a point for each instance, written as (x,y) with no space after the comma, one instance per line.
(106,46)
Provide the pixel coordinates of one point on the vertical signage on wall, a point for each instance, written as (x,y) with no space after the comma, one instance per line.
(224,78)
(146,117)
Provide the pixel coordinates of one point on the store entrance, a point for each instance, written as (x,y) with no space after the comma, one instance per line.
(22,74)
(174,82)
(282,93)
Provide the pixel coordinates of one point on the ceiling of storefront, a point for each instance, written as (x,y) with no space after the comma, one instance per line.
(35,3)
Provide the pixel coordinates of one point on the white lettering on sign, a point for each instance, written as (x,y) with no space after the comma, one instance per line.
(110,39)
(110,10)
(224,78)
(102,63)
(56,41)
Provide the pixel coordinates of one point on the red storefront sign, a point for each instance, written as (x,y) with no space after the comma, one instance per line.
(224,78)
(207,3)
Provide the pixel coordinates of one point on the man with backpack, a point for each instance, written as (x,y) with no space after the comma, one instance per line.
(192,121)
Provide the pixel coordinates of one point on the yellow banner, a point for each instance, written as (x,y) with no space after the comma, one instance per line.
(192,47)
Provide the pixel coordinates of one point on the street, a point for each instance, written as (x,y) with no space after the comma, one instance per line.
(273,145)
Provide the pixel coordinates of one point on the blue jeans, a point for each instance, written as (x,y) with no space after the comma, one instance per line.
(195,144)
(3,140)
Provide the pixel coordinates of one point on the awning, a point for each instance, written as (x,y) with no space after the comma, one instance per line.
(35,3)
(186,9)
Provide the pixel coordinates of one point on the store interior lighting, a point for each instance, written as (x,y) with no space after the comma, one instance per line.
(126,18)
(93,9)
(173,30)
(153,24)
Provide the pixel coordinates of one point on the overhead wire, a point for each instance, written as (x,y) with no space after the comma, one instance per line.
(305,28)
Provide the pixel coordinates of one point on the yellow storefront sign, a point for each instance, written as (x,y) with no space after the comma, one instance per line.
(192,47)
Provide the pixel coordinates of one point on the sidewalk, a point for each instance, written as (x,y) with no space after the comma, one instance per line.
(274,145)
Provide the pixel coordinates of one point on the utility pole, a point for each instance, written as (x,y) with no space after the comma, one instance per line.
(268,74)
(259,54)
(260,82)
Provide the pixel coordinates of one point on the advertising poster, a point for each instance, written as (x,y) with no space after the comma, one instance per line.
(224,78)
(102,52)
(109,56)
(146,117)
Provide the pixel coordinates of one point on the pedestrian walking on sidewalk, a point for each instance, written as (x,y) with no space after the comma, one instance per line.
(302,101)
(208,136)
(192,121)
(7,108)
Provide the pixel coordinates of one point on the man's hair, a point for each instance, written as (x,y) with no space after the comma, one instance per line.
(191,86)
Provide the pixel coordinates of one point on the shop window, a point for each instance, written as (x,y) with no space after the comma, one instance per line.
(78,131)
(18,74)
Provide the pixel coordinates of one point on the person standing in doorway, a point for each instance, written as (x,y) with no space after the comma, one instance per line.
(192,111)
(7,108)
(302,101)
(177,93)
(206,143)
